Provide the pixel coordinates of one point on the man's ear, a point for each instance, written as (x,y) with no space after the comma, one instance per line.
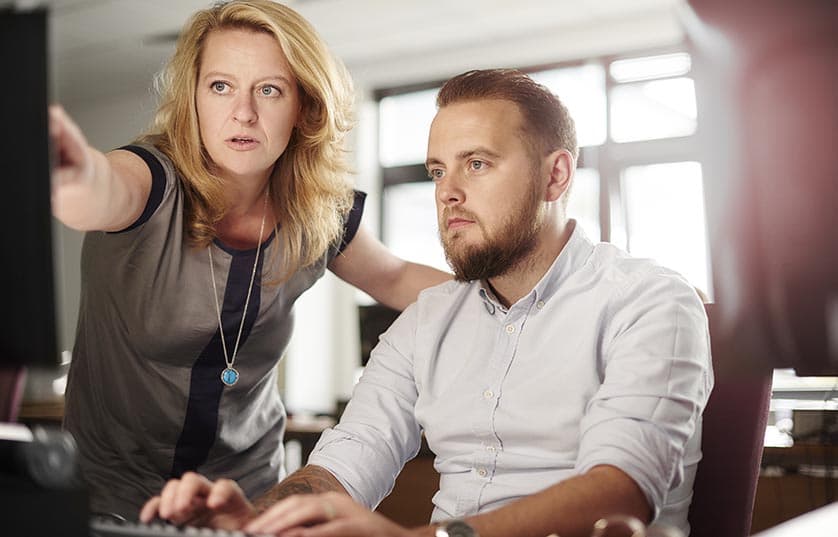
(562,164)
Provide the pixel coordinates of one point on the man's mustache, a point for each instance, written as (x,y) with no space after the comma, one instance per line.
(458,213)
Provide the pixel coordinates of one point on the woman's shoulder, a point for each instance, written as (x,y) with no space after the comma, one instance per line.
(165,184)
(151,150)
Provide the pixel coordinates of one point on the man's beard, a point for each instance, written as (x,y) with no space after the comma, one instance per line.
(510,246)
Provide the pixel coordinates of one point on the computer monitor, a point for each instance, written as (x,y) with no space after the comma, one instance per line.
(28,336)
(768,98)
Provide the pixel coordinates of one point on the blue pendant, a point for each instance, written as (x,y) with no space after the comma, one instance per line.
(229,376)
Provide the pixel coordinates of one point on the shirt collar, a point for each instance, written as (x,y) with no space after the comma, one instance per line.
(572,257)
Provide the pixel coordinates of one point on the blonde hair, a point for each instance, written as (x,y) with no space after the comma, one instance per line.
(310,191)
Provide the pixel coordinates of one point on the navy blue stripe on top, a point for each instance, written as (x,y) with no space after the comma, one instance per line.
(158,184)
(353,220)
(201,421)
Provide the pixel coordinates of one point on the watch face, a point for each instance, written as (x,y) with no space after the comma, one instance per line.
(456,528)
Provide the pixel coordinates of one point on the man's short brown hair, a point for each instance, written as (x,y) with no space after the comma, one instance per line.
(547,123)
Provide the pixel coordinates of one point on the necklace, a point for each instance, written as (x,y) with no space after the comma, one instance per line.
(230,376)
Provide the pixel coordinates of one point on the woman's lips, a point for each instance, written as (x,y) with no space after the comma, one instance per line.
(241,143)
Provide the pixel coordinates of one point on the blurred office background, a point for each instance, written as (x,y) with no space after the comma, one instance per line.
(621,67)
(624,68)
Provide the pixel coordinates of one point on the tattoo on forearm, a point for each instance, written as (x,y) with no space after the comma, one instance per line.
(309,480)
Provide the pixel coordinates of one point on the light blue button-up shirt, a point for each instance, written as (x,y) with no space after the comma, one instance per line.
(605,361)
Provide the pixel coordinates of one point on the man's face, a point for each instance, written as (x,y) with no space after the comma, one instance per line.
(488,190)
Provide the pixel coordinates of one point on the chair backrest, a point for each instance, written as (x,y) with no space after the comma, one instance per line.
(732,439)
(11,389)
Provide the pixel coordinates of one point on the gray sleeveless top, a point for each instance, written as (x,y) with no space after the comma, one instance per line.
(144,400)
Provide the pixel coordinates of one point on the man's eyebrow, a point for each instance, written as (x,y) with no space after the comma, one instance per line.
(477,151)
(463,155)
(432,162)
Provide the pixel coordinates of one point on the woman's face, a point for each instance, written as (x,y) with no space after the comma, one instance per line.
(248,102)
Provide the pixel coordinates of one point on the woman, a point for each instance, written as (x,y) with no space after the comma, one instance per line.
(233,206)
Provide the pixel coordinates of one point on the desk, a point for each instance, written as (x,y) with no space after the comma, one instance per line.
(819,523)
(46,412)
(794,481)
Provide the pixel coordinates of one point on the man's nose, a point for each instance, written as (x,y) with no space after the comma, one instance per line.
(449,191)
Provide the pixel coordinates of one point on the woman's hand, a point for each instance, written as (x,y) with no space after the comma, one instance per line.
(194,500)
(73,161)
(92,191)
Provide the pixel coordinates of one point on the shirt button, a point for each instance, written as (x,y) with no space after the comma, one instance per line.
(510,329)
(488,394)
(482,472)
(539,304)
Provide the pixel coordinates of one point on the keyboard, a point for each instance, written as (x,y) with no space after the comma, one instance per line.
(103,527)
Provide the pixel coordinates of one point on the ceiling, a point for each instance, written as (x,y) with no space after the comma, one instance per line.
(102,49)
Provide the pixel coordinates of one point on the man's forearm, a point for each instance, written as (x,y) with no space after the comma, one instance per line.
(569,508)
(307,480)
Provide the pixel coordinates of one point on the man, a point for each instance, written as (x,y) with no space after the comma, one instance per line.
(557,381)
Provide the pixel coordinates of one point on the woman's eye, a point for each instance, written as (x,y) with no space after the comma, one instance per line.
(269,91)
(219,87)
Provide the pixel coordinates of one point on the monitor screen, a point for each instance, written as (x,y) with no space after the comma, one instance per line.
(768,93)
(26,269)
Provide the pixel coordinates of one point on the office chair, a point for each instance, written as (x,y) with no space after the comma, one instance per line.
(11,390)
(732,439)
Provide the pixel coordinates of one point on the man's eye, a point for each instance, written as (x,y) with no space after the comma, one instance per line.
(436,173)
(477,165)
(219,87)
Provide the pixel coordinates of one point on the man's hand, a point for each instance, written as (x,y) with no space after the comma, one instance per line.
(324,515)
(196,501)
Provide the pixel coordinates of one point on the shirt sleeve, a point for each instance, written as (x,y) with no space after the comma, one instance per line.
(657,376)
(158,184)
(353,220)
(378,432)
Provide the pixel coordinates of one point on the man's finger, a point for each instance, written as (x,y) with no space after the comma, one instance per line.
(296,511)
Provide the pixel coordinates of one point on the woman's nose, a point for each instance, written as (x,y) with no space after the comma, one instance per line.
(245,111)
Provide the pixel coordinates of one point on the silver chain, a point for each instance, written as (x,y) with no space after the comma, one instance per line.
(231,360)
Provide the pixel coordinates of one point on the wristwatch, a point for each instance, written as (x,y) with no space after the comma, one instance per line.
(455,528)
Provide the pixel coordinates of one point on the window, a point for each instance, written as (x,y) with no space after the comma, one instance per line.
(404,123)
(664,207)
(582,90)
(410,223)
(638,183)
(653,109)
